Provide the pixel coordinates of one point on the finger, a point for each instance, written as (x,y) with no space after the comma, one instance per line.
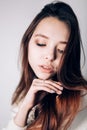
(39,87)
(47,87)
(54,88)
(53,85)
(51,82)
(57,85)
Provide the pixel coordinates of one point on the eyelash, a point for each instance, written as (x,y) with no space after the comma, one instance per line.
(60,51)
(42,45)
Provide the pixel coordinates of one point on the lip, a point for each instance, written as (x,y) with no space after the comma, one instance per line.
(46,69)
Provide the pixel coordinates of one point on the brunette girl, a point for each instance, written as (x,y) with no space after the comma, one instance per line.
(49,94)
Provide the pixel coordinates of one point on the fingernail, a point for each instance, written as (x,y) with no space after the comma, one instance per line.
(61,88)
(52,91)
(60,92)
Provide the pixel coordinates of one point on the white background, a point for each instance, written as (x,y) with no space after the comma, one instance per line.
(15,16)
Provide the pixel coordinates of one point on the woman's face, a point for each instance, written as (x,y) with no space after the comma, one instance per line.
(46,47)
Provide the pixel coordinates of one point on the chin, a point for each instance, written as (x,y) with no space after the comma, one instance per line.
(43,76)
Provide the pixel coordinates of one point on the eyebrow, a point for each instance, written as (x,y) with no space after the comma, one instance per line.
(63,42)
(44,36)
(41,35)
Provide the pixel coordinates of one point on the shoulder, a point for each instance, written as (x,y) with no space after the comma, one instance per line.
(80,122)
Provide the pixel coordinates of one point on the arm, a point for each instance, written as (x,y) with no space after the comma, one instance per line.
(19,119)
(11,125)
(48,86)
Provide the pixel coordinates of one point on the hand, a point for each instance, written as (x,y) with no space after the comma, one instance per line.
(49,86)
(37,85)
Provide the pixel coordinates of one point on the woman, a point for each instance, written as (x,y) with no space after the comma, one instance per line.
(50,90)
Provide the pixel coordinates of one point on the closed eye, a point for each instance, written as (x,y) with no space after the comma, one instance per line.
(41,44)
(60,51)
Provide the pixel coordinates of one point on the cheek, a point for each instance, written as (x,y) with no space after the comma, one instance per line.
(57,64)
(30,53)
(33,54)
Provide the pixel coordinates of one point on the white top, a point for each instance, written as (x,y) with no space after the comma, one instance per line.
(79,123)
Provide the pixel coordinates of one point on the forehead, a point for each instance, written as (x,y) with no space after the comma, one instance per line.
(53,28)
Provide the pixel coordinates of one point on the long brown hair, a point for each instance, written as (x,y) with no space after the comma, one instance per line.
(56,112)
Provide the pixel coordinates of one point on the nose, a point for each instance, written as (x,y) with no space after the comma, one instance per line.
(50,55)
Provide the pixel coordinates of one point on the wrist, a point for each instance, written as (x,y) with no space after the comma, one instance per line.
(21,117)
